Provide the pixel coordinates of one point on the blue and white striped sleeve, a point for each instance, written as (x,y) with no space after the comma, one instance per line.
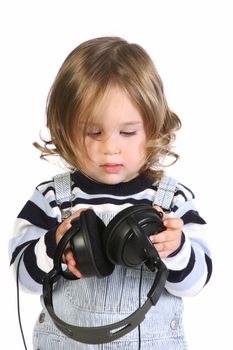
(34,237)
(191,267)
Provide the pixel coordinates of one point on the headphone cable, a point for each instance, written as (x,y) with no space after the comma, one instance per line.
(139,304)
(18,303)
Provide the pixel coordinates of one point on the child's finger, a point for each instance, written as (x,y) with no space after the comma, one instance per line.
(175,224)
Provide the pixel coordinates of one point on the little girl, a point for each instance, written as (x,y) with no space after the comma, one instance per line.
(110,122)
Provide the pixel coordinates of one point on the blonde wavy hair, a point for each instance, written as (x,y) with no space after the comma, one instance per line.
(80,86)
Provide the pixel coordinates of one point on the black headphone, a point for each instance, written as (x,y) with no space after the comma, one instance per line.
(98,248)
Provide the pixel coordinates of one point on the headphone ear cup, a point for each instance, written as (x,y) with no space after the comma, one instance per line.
(127,236)
(88,249)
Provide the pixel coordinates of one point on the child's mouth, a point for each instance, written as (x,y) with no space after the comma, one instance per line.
(112,167)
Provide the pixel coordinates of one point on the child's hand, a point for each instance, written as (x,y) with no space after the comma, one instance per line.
(166,242)
(68,255)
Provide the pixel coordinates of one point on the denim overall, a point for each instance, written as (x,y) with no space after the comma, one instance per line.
(96,301)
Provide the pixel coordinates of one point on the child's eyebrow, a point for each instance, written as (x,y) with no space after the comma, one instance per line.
(130,123)
(133,123)
(136,124)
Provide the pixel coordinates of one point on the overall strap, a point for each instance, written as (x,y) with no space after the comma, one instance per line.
(62,185)
(163,198)
(165,192)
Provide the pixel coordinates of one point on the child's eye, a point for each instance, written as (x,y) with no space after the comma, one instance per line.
(128,133)
(93,133)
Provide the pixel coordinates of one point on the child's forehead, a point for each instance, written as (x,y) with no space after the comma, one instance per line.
(113,106)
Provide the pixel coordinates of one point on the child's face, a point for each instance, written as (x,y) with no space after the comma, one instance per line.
(116,143)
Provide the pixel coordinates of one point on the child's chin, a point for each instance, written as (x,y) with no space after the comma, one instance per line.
(115,179)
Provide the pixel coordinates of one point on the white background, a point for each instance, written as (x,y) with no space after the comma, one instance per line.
(191,44)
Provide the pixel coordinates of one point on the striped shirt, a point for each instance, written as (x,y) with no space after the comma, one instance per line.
(189,266)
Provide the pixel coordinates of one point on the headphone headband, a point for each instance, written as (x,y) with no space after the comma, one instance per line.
(108,333)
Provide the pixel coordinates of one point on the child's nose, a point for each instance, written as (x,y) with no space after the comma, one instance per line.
(111,145)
